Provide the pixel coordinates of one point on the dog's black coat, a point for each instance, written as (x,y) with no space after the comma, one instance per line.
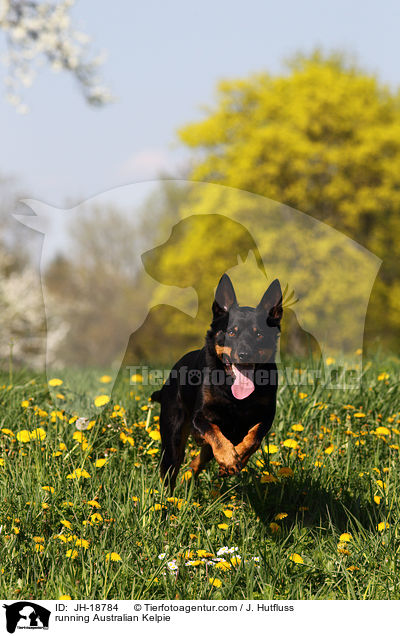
(197,397)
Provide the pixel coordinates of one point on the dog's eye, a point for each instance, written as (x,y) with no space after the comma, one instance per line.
(259,334)
(231,332)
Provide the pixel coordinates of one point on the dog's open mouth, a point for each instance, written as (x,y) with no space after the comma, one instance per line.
(243,374)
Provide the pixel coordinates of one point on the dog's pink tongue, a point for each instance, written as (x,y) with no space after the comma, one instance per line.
(243,385)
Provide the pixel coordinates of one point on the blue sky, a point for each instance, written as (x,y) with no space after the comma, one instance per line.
(164,60)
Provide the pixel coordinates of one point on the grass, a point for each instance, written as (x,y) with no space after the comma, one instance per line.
(104,535)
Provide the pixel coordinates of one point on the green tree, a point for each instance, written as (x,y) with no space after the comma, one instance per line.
(324,139)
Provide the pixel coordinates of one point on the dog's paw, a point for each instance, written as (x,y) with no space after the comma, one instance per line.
(230,463)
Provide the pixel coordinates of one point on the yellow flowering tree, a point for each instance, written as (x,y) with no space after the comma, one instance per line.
(324,139)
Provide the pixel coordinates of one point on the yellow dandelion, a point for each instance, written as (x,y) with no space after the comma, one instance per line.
(101,400)
(79,473)
(66,523)
(105,379)
(79,436)
(187,475)
(64,597)
(24,436)
(96,517)
(136,378)
(329,450)
(377,499)
(342,548)
(193,563)
(302,396)
(204,554)
(71,554)
(274,527)
(38,539)
(223,565)
(345,537)
(280,516)
(236,560)
(383,376)
(329,361)
(39,547)
(155,435)
(25,404)
(298,427)
(271,449)
(38,433)
(382,430)
(94,503)
(6,431)
(113,556)
(1,462)
(382,526)
(381,484)
(82,543)
(223,526)
(296,558)
(228,513)
(359,414)
(124,438)
(55,382)
(48,488)
(291,443)
(100,462)
(285,471)
(268,479)
(215,582)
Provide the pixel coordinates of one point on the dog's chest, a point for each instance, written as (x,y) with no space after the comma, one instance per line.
(237,417)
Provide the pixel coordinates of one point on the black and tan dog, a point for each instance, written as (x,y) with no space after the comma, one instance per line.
(225,393)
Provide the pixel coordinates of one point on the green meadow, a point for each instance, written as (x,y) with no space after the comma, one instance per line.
(315,515)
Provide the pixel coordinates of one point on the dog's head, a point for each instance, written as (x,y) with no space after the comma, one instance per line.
(245,336)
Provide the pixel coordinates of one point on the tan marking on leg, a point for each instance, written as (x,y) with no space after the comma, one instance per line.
(250,443)
(224,451)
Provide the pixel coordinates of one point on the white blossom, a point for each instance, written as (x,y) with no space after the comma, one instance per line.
(38,32)
(24,333)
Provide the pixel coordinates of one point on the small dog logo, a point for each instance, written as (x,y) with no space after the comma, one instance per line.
(26,615)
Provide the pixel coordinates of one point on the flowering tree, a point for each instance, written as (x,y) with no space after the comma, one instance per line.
(42,32)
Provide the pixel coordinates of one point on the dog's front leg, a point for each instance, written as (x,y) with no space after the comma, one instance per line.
(223,450)
(251,442)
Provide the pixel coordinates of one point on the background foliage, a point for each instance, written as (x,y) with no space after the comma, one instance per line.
(325,139)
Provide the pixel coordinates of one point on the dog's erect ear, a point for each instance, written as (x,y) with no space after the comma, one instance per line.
(224,296)
(271,304)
